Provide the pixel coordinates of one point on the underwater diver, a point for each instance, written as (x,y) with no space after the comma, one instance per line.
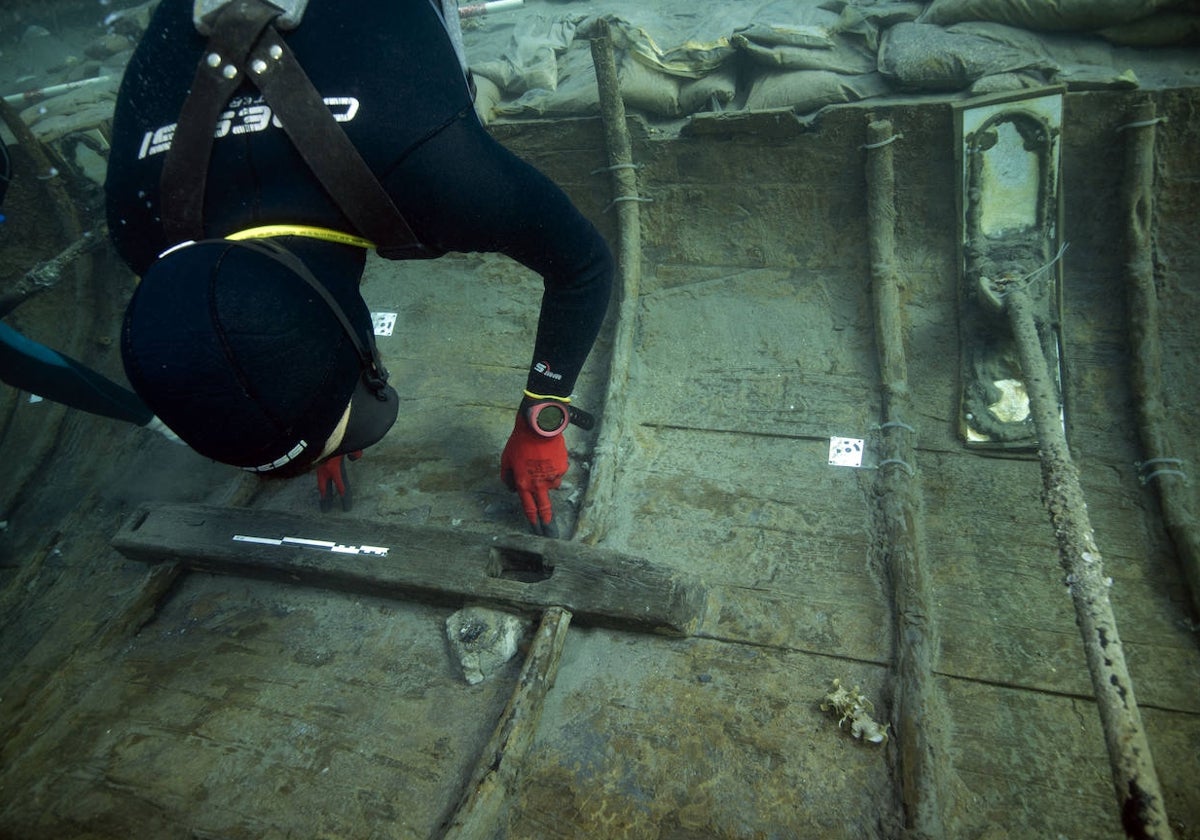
(256,155)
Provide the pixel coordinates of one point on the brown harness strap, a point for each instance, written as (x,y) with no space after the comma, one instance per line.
(327,150)
(244,41)
(185,168)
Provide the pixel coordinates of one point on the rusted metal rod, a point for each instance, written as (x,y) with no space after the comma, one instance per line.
(1135,781)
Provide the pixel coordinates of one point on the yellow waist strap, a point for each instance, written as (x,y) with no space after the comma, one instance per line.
(534,396)
(310,231)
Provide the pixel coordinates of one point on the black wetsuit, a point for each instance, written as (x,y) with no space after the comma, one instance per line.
(388,70)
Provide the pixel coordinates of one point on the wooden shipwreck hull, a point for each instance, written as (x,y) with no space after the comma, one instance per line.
(720,570)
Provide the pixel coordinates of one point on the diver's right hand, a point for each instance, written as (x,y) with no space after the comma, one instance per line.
(532,466)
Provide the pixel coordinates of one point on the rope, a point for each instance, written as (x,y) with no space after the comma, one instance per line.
(1148,478)
(615,167)
(883,143)
(886,462)
(621,198)
(1027,280)
(1142,123)
(1174,467)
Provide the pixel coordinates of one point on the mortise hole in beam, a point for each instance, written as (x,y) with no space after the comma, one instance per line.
(523,566)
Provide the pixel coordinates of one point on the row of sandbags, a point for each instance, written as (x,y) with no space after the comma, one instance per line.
(678,59)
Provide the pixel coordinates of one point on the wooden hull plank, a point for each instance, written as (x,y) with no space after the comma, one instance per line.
(411,562)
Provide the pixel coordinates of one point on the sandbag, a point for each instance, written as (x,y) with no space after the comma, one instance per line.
(644,87)
(1045,15)
(530,59)
(1165,29)
(85,107)
(689,54)
(1006,82)
(799,36)
(920,57)
(682,43)
(1080,61)
(839,56)
(882,15)
(810,35)
(712,93)
(647,89)
(487,98)
(574,94)
(805,91)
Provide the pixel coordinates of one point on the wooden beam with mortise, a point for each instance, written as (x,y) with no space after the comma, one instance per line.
(421,563)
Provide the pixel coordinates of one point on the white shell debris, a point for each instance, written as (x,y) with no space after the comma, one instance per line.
(852,706)
(483,640)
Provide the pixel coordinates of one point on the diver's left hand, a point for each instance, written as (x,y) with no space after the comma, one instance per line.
(332,480)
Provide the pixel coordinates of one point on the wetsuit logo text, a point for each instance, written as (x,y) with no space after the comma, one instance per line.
(544,369)
(246,115)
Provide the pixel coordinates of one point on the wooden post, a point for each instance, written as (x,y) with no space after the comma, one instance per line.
(1162,468)
(493,783)
(591,525)
(52,183)
(46,274)
(899,493)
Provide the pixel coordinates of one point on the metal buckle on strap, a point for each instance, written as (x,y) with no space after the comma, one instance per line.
(204,12)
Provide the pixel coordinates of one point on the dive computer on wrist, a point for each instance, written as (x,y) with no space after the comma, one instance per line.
(548,418)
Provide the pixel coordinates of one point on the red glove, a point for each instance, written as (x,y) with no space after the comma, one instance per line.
(532,466)
(331,479)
